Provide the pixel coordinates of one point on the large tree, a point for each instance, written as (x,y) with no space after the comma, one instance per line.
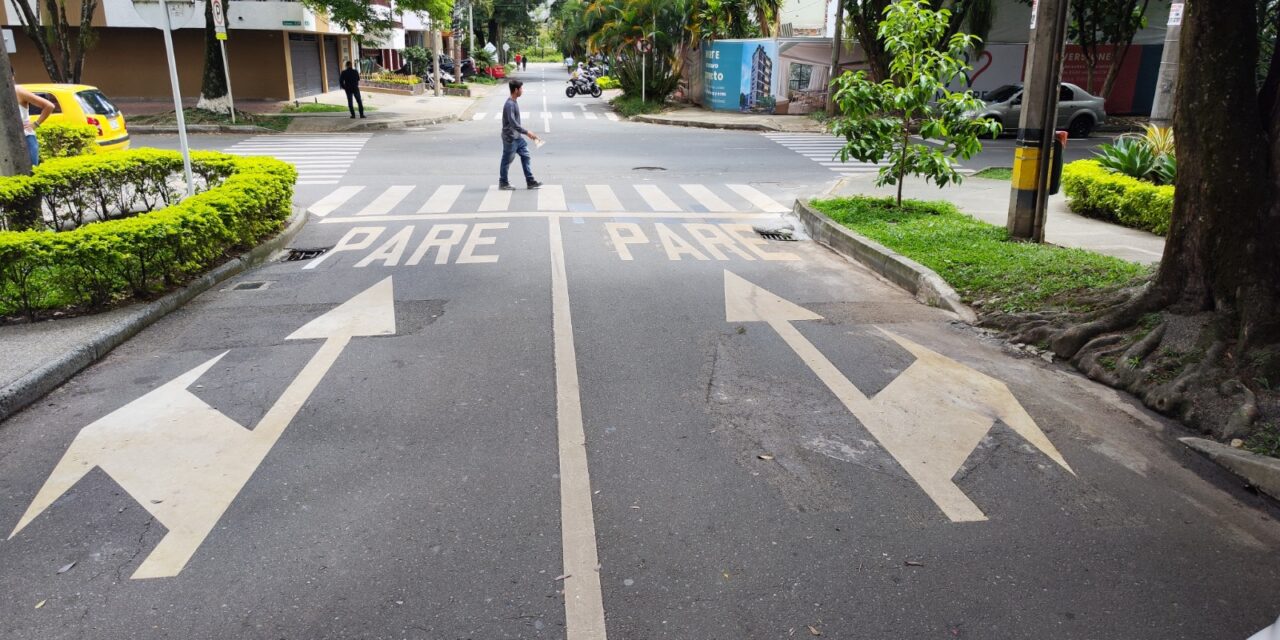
(61,50)
(1201,339)
(864,16)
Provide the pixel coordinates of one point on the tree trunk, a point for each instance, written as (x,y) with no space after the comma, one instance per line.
(213,84)
(31,25)
(84,38)
(1120,52)
(1220,254)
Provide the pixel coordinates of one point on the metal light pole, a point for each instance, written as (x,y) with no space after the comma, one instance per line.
(177,99)
(1032,157)
(1167,82)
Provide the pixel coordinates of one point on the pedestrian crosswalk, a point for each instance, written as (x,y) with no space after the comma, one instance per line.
(409,200)
(822,149)
(321,160)
(529,116)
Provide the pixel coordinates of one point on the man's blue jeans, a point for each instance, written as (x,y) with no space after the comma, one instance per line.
(509,151)
(33,150)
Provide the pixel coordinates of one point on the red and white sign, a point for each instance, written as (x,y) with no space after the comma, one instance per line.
(219,20)
(1175,14)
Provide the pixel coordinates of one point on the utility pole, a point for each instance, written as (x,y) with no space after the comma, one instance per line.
(1167,82)
(13,142)
(435,56)
(836,46)
(1032,157)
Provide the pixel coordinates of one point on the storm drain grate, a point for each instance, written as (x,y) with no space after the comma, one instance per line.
(778,236)
(303,254)
(648,168)
(251,286)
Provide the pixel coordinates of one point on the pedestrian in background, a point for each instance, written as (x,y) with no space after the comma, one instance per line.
(26,100)
(512,143)
(524,62)
(349,80)
(517,61)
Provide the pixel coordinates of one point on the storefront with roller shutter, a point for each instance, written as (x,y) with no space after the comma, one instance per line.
(304,61)
(332,62)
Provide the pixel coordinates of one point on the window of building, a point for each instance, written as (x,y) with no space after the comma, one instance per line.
(800,76)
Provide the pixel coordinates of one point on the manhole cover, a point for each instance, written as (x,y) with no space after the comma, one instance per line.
(648,168)
(303,254)
(251,286)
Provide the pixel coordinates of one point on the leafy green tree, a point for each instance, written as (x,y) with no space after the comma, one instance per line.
(62,46)
(864,16)
(877,119)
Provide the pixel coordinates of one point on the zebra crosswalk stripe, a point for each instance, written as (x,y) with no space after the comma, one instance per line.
(822,149)
(603,198)
(329,203)
(320,160)
(495,199)
(442,200)
(640,200)
(383,204)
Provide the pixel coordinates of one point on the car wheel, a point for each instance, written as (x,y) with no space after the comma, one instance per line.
(1080,127)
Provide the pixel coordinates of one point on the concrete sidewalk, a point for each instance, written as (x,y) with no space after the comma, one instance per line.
(988,200)
(393,111)
(707,119)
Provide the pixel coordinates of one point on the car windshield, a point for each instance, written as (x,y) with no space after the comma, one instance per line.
(1003,93)
(94,102)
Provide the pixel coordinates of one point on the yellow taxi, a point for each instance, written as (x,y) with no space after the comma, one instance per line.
(83,104)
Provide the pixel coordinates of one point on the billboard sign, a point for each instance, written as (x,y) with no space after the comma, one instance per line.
(741,75)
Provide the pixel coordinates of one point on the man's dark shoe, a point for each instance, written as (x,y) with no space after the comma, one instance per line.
(534,184)
(353,116)
(362,115)
(506,187)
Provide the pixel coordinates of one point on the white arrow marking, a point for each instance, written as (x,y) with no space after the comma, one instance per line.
(930,418)
(183,460)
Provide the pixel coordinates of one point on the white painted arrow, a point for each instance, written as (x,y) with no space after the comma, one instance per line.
(183,460)
(930,418)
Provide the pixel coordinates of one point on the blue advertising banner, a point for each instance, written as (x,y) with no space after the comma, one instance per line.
(741,75)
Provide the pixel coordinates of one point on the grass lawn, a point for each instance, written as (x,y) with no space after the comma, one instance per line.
(481,79)
(977,258)
(318,107)
(200,116)
(995,173)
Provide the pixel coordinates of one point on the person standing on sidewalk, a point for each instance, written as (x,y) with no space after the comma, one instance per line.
(25,101)
(512,144)
(349,80)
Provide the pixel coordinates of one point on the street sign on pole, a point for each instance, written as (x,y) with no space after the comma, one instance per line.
(9,45)
(165,15)
(220,29)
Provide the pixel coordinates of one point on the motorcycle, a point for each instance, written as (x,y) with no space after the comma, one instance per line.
(584,84)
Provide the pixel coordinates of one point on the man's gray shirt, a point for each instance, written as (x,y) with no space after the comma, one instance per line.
(511,128)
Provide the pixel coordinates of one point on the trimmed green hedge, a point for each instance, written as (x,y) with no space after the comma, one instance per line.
(1097,192)
(101,262)
(66,140)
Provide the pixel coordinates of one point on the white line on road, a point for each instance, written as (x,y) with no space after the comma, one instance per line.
(495,199)
(706,198)
(442,200)
(339,197)
(603,198)
(758,198)
(383,204)
(655,198)
(593,215)
(583,602)
(613,116)
(551,198)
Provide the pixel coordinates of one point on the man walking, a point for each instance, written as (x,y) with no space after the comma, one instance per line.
(512,144)
(349,80)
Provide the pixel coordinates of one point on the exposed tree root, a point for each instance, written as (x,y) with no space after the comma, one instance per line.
(1179,365)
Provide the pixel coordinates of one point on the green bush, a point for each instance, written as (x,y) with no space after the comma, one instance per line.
(394,78)
(607,82)
(66,140)
(631,106)
(1096,192)
(98,263)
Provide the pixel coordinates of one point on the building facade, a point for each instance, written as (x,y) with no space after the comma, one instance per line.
(277,50)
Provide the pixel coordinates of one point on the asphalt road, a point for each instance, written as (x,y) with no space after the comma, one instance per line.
(602,408)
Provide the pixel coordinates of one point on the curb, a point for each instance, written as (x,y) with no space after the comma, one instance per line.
(200,128)
(928,287)
(731,126)
(382,125)
(20,393)
(1261,472)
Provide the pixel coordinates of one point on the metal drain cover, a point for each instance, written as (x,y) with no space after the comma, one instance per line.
(251,286)
(296,254)
(648,168)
